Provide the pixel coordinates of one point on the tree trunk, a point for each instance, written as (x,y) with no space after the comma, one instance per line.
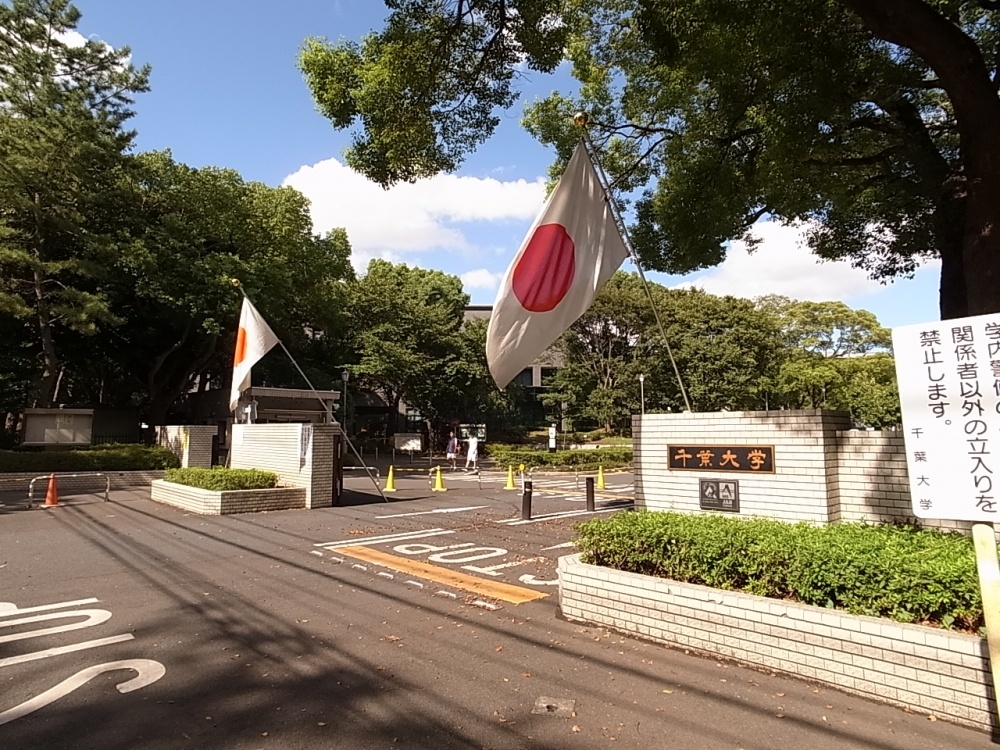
(965,77)
(50,362)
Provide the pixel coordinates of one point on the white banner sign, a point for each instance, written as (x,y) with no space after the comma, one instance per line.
(949,388)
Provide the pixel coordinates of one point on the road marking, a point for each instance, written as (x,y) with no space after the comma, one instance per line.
(564,514)
(490,570)
(147,672)
(9,608)
(436,510)
(10,660)
(94,617)
(530,579)
(559,546)
(492,589)
(384,538)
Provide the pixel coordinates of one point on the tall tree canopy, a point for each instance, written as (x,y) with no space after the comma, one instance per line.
(63,144)
(878,122)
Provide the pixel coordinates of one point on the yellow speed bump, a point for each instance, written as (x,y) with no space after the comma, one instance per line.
(494,589)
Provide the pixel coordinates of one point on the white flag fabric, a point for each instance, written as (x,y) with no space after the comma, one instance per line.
(572,249)
(254,340)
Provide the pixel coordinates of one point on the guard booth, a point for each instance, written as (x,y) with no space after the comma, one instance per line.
(265,405)
(293,433)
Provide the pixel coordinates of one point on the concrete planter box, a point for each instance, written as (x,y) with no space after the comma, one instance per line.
(920,668)
(216,503)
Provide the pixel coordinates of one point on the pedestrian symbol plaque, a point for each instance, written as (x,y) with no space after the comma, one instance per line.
(719,494)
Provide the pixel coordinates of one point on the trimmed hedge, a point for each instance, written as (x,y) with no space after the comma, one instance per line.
(221,479)
(100,458)
(609,458)
(898,572)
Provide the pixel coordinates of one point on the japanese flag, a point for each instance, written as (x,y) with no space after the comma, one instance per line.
(572,249)
(254,340)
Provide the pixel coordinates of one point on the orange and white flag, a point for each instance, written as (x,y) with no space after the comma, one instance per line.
(572,249)
(254,340)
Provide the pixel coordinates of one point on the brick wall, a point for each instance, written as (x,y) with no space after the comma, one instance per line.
(870,483)
(824,473)
(919,668)
(192,444)
(208,502)
(805,446)
(300,454)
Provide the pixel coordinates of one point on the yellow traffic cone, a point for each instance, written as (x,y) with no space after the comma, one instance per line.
(510,478)
(439,482)
(600,477)
(390,481)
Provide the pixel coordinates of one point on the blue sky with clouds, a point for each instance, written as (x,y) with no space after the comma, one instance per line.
(226,92)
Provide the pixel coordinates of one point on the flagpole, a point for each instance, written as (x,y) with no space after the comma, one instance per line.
(329,413)
(582,120)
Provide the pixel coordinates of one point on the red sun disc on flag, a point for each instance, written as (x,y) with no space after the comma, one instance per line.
(241,346)
(544,273)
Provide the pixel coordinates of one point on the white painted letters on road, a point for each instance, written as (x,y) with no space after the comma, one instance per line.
(147,672)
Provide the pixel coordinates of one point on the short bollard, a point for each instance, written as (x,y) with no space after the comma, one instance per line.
(590,494)
(526,501)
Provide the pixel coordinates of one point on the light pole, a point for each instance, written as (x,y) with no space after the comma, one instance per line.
(642,395)
(345,376)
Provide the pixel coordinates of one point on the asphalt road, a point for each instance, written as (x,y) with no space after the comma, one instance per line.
(429,621)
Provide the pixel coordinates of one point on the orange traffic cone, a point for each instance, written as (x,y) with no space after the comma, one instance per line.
(52,494)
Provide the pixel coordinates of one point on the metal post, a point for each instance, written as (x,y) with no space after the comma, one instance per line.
(590,494)
(526,501)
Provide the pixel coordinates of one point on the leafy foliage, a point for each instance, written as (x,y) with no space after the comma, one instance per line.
(62,147)
(104,458)
(221,479)
(609,458)
(863,119)
(899,572)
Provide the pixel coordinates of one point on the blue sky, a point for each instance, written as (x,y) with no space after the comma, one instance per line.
(226,92)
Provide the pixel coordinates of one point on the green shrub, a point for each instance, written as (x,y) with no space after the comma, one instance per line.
(98,458)
(898,572)
(221,479)
(609,458)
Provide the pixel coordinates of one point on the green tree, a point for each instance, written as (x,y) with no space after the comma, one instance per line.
(407,324)
(188,233)
(62,146)
(835,358)
(727,352)
(878,121)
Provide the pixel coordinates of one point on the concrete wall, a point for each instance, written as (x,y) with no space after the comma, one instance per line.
(805,444)
(300,454)
(192,444)
(920,668)
(213,503)
(824,472)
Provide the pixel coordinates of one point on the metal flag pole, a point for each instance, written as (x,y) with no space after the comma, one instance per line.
(238,285)
(582,119)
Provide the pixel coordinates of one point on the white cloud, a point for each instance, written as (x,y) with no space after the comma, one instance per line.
(782,264)
(409,218)
(481,278)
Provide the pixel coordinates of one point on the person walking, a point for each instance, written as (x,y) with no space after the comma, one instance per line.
(472,457)
(451,452)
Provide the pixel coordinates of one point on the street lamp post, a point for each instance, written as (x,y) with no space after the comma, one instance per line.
(642,395)
(345,376)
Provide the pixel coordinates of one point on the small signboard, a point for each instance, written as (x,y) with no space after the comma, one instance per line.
(949,389)
(465,431)
(719,494)
(756,459)
(408,441)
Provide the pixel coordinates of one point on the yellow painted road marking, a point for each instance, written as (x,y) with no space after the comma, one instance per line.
(494,589)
